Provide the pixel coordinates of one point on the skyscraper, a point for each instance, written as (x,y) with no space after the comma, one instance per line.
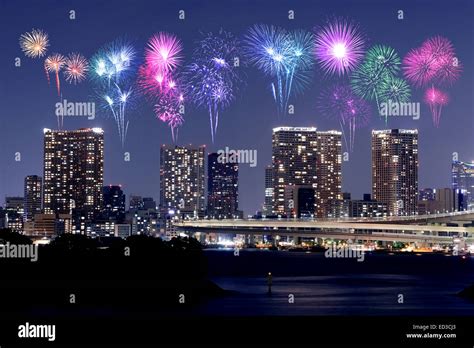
(33,196)
(395,169)
(222,187)
(268,205)
(306,157)
(182,180)
(463,180)
(114,203)
(73,172)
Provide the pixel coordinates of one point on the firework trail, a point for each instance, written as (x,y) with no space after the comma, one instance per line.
(53,64)
(339,47)
(352,112)
(436,99)
(34,44)
(111,70)
(284,56)
(380,66)
(158,79)
(75,68)
(212,78)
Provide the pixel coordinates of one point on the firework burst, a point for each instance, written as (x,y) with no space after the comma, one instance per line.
(284,56)
(158,79)
(352,112)
(75,68)
(111,71)
(434,62)
(339,47)
(212,78)
(34,44)
(436,99)
(380,65)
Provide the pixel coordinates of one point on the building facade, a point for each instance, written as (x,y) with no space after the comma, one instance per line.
(33,196)
(73,173)
(306,157)
(222,187)
(463,180)
(182,180)
(395,170)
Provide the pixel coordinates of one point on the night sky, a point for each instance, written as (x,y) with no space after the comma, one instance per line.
(27,102)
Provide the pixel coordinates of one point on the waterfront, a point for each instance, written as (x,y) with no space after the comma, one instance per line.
(321,286)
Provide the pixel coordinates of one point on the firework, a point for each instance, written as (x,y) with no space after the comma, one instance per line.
(53,64)
(212,78)
(75,68)
(168,109)
(436,99)
(339,101)
(434,62)
(339,47)
(111,70)
(163,52)
(418,67)
(158,79)
(284,56)
(380,65)
(35,43)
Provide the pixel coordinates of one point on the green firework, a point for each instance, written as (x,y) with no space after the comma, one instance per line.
(380,63)
(384,59)
(394,89)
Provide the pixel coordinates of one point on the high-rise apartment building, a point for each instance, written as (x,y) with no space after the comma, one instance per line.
(182,175)
(222,187)
(73,172)
(33,196)
(395,170)
(463,180)
(306,157)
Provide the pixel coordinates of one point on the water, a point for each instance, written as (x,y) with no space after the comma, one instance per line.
(321,286)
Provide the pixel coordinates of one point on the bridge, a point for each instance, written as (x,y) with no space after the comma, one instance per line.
(431,229)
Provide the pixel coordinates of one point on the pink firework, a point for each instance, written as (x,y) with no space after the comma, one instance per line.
(75,68)
(339,47)
(443,58)
(163,52)
(168,109)
(436,99)
(53,64)
(418,67)
(152,81)
(434,62)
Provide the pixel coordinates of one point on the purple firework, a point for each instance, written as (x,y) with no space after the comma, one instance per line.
(339,47)
(352,112)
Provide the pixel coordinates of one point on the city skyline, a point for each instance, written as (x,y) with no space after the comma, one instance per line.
(249,121)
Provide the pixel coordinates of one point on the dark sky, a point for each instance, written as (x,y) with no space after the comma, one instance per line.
(27,102)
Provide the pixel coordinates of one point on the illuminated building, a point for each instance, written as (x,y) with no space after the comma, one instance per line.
(268,205)
(114,203)
(222,188)
(33,197)
(306,157)
(463,180)
(182,176)
(395,170)
(73,174)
